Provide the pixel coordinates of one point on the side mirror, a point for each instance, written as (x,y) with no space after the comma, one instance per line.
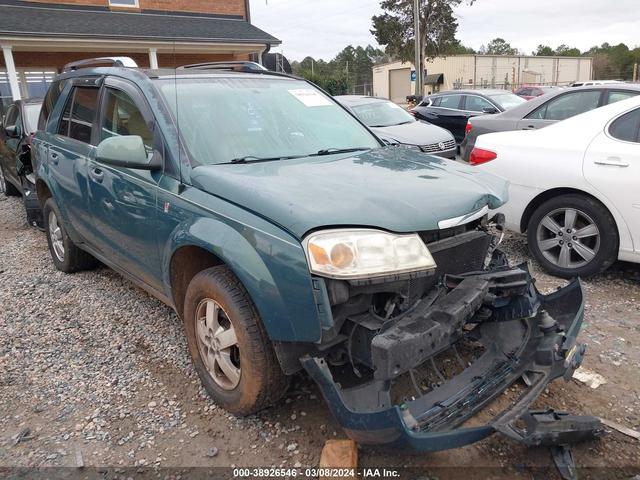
(126,151)
(11,132)
(490,110)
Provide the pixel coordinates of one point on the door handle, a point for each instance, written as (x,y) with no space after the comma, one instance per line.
(612,161)
(529,127)
(96,174)
(54,158)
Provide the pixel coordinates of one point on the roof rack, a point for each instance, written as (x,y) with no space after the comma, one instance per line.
(235,66)
(126,62)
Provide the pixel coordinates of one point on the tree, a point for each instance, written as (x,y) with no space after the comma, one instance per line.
(566,51)
(498,46)
(544,50)
(395,28)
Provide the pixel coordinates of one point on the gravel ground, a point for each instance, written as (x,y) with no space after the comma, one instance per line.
(94,371)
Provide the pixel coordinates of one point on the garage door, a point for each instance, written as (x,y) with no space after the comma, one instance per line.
(399,84)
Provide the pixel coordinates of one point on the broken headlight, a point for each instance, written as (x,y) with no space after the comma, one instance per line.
(362,253)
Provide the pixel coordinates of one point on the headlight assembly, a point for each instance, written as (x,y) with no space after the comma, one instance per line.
(362,253)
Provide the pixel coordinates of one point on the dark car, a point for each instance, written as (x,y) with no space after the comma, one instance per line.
(394,124)
(546,110)
(287,236)
(16,174)
(533,91)
(451,110)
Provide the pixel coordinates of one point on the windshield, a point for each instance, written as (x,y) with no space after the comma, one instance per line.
(382,114)
(226,119)
(32,112)
(507,100)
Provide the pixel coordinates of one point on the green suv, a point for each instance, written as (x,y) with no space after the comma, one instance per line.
(287,236)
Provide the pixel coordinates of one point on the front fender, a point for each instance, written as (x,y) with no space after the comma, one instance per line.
(272,269)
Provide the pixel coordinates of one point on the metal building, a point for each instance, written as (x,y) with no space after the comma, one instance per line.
(395,80)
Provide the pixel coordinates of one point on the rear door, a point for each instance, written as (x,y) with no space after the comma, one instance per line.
(70,148)
(562,107)
(447,113)
(123,200)
(612,165)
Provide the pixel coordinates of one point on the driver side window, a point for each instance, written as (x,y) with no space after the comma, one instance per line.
(120,116)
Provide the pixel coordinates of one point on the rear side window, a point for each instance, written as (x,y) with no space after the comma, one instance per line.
(627,127)
(79,114)
(618,96)
(450,101)
(49,103)
(476,104)
(567,106)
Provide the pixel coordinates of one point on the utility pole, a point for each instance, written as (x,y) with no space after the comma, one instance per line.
(635,72)
(418,62)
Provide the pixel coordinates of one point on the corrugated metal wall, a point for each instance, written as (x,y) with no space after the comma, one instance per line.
(492,71)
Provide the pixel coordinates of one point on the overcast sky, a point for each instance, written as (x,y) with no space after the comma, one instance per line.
(321,28)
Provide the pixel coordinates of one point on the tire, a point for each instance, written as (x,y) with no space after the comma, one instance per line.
(586,248)
(71,258)
(7,187)
(260,380)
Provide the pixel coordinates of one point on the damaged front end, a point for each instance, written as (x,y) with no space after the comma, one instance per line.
(417,367)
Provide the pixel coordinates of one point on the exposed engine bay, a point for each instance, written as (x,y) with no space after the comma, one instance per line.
(379,365)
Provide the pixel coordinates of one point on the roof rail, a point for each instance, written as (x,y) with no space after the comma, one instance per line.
(236,66)
(126,62)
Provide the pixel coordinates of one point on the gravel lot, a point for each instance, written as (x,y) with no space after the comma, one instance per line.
(98,372)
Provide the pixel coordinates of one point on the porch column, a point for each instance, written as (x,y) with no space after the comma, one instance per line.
(153,58)
(11,72)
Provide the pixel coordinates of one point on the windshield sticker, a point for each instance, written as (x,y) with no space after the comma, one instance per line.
(310,97)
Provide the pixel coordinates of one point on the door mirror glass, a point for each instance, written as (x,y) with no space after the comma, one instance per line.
(11,132)
(126,151)
(490,110)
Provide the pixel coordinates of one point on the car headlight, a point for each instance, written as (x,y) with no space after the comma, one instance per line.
(353,254)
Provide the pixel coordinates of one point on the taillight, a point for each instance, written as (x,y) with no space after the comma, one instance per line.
(468,128)
(478,156)
(412,113)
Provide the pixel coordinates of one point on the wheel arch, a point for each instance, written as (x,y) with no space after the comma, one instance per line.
(554,192)
(43,191)
(274,273)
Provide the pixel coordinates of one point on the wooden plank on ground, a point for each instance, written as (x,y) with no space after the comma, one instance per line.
(339,454)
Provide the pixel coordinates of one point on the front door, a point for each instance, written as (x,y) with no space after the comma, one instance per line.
(612,165)
(123,200)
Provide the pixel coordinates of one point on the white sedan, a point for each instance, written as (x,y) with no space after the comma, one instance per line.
(575,187)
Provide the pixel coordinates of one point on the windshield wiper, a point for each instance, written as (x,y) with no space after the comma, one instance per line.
(253,159)
(331,151)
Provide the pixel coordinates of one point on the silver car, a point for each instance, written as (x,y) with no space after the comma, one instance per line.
(546,110)
(394,124)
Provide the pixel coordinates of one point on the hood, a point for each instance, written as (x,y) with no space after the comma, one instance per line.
(415,133)
(395,188)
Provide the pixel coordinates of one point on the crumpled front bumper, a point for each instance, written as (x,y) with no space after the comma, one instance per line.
(527,348)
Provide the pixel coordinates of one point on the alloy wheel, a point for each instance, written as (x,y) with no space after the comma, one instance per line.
(55,233)
(568,238)
(218,344)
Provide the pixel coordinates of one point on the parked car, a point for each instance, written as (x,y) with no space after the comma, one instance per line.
(16,174)
(287,236)
(451,110)
(394,124)
(574,187)
(546,110)
(532,91)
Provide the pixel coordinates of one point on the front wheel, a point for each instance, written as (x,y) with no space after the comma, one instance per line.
(573,236)
(231,352)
